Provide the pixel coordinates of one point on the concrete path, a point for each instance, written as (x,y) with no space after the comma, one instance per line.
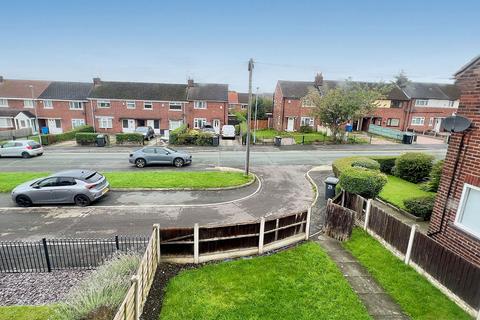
(378,303)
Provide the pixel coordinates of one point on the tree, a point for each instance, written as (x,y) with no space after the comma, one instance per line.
(347,101)
(401,79)
(264,105)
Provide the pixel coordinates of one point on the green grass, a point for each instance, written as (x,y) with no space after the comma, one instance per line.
(145,179)
(418,298)
(27,313)
(300,283)
(306,138)
(396,190)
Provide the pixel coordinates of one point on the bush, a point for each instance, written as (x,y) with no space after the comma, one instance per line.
(364,182)
(194,137)
(133,138)
(174,134)
(413,166)
(48,139)
(306,129)
(435,176)
(420,206)
(366,163)
(99,295)
(386,163)
(86,138)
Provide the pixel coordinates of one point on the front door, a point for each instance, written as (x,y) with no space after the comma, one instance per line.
(438,123)
(128,125)
(216,125)
(290,124)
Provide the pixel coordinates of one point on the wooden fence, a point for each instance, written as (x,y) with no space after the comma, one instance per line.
(14,134)
(458,275)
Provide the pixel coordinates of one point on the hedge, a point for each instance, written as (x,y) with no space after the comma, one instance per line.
(386,163)
(366,163)
(413,166)
(48,139)
(86,138)
(130,138)
(420,206)
(435,176)
(194,137)
(173,137)
(364,182)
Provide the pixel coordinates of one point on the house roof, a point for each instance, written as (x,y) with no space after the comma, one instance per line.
(208,91)
(13,88)
(467,66)
(10,113)
(419,90)
(243,98)
(61,90)
(232,97)
(140,91)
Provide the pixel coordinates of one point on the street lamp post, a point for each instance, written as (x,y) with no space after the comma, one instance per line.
(255,126)
(36,115)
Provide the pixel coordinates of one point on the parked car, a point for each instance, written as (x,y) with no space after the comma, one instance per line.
(81,187)
(21,148)
(148,132)
(208,128)
(159,155)
(228,131)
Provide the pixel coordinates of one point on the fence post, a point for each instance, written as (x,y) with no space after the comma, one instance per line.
(156,230)
(307,224)
(261,236)
(367,214)
(343,198)
(47,256)
(196,243)
(117,244)
(410,244)
(136,301)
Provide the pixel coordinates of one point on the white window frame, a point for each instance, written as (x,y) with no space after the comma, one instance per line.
(103,104)
(451,103)
(421,102)
(25,105)
(418,123)
(105,122)
(389,122)
(145,103)
(467,188)
(198,123)
(47,104)
(430,122)
(310,120)
(170,124)
(11,122)
(307,103)
(175,104)
(77,123)
(3,102)
(129,103)
(75,105)
(200,104)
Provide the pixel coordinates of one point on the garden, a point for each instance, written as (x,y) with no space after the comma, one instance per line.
(184,136)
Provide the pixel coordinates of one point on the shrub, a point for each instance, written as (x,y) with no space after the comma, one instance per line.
(435,176)
(174,134)
(48,139)
(386,163)
(420,206)
(122,138)
(204,139)
(99,295)
(241,116)
(366,163)
(413,166)
(306,129)
(365,182)
(86,138)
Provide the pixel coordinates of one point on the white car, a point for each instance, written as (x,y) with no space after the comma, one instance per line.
(228,131)
(21,148)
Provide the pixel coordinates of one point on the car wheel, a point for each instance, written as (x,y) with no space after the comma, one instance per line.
(40,154)
(82,200)
(140,163)
(23,201)
(178,162)
(25,155)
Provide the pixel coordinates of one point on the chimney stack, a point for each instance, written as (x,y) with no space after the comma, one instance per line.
(190,82)
(319,80)
(97,81)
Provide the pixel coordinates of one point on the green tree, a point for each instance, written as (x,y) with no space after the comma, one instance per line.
(264,105)
(401,79)
(347,101)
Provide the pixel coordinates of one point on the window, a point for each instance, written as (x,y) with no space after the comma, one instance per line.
(105,122)
(451,103)
(393,122)
(396,104)
(49,182)
(430,122)
(130,104)
(149,150)
(200,105)
(103,104)
(418,121)
(467,217)
(76,105)
(28,103)
(244,106)
(48,104)
(58,123)
(198,123)
(6,123)
(65,181)
(174,124)
(306,121)
(231,106)
(307,103)
(77,123)
(3,103)
(421,102)
(176,106)
(147,105)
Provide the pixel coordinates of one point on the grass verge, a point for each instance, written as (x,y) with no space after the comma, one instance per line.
(145,179)
(27,313)
(418,298)
(396,190)
(299,283)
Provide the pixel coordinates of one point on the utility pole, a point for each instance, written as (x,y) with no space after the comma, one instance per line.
(255,126)
(36,115)
(249,116)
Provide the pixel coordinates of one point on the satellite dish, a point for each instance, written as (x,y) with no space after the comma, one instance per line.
(456,124)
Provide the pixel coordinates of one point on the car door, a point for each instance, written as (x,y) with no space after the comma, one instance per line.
(62,191)
(7,149)
(163,155)
(149,155)
(18,149)
(42,191)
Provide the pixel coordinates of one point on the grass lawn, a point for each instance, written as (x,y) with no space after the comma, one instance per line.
(397,190)
(417,297)
(310,137)
(26,313)
(145,179)
(299,283)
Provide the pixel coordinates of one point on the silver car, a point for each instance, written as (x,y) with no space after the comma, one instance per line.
(21,148)
(81,187)
(159,155)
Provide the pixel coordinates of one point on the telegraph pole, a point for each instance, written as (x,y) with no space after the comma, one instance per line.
(255,126)
(249,116)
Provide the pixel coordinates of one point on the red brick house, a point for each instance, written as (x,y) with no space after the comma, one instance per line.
(455,222)
(237,102)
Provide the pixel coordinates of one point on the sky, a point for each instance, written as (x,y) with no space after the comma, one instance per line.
(211,41)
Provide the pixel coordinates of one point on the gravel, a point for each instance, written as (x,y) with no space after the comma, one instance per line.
(37,288)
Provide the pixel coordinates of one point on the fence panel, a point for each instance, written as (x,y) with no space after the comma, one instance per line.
(339,221)
(393,231)
(18,256)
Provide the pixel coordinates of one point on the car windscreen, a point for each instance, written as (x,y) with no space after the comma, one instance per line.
(94,177)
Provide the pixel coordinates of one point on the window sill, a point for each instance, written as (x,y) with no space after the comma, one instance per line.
(175,110)
(464,232)
(78,109)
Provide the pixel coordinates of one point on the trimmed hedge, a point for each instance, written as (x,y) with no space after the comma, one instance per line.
(48,139)
(435,176)
(129,138)
(86,138)
(191,137)
(420,206)
(386,163)
(173,137)
(366,163)
(364,182)
(413,166)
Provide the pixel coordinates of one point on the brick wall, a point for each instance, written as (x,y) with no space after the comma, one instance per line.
(278,109)
(391,113)
(61,110)
(466,171)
